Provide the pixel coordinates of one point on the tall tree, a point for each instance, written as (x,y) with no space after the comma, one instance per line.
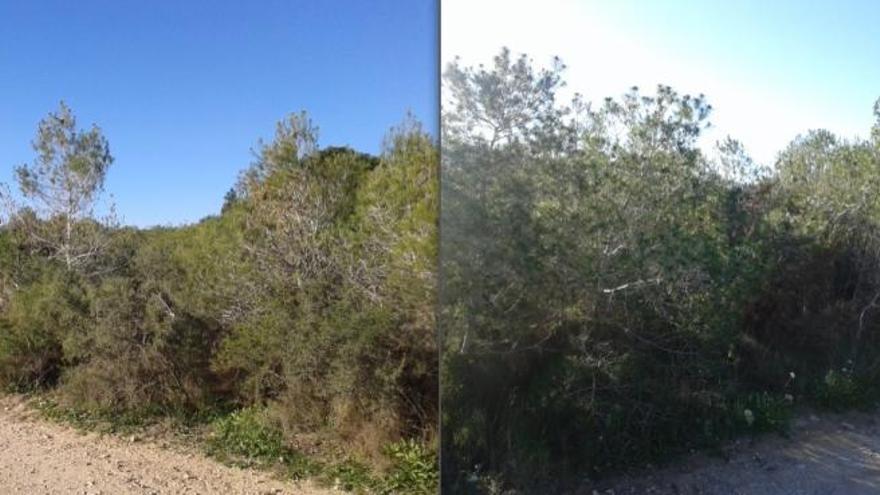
(509,103)
(62,187)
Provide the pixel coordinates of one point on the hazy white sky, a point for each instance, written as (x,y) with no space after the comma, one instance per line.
(769,71)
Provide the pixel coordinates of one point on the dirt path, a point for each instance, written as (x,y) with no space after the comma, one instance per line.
(831,454)
(38,457)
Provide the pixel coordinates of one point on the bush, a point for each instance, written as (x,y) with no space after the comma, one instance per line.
(247,434)
(612,295)
(140,353)
(349,475)
(840,390)
(310,298)
(339,334)
(36,323)
(413,469)
(762,412)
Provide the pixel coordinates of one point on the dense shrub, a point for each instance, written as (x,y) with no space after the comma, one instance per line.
(339,332)
(309,298)
(611,294)
(140,352)
(36,323)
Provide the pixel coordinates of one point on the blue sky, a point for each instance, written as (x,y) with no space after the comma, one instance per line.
(184,89)
(771,69)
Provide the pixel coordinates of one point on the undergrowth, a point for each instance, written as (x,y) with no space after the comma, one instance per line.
(841,390)
(99,421)
(247,438)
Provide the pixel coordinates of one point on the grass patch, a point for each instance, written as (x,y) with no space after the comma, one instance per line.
(98,421)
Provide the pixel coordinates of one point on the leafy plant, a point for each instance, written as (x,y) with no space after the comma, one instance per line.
(246,433)
(841,390)
(413,469)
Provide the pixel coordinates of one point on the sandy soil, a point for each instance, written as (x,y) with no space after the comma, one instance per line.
(39,457)
(825,454)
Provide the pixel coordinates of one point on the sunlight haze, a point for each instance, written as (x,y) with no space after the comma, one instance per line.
(769,72)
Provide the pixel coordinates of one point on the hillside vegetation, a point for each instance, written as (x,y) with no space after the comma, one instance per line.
(612,294)
(308,302)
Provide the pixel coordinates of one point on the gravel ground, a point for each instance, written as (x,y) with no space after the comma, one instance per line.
(825,454)
(39,457)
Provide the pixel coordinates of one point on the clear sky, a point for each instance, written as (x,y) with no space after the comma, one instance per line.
(184,89)
(770,69)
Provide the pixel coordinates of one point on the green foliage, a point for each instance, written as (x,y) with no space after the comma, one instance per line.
(604,279)
(309,299)
(141,350)
(339,329)
(104,422)
(245,433)
(62,186)
(841,390)
(349,475)
(414,469)
(763,412)
(34,324)
(248,437)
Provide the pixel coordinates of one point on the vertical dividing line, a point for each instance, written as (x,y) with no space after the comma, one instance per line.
(438,99)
